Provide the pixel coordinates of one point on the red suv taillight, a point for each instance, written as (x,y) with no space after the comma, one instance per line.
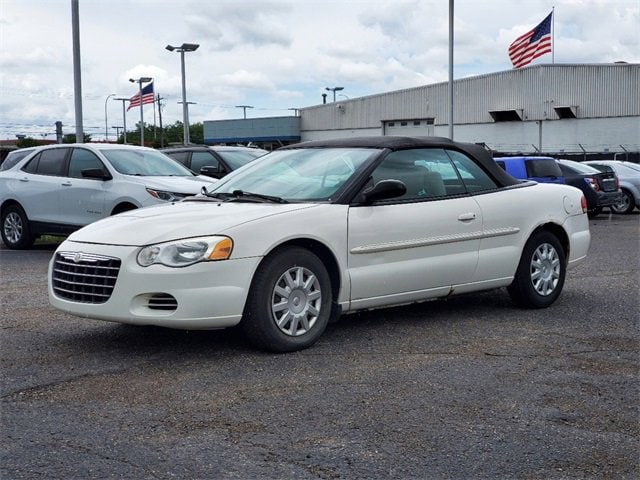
(583,204)
(593,183)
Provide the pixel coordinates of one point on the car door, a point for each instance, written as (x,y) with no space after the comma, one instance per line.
(39,185)
(420,244)
(83,199)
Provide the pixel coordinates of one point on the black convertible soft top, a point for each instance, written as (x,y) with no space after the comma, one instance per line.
(480,154)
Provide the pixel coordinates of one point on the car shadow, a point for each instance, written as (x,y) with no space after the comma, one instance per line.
(359,327)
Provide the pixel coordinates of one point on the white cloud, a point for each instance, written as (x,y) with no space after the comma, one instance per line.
(273,54)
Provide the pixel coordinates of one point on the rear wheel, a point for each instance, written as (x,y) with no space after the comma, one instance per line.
(626,205)
(289,303)
(16,233)
(541,272)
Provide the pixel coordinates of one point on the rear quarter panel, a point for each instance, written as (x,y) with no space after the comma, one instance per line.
(520,211)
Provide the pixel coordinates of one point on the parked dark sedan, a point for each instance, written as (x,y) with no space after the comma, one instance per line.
(213,161)
(601,189)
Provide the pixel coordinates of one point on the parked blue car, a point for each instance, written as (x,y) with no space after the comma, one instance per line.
(539,169)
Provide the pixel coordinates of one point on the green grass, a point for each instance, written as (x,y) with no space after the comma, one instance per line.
(49,239)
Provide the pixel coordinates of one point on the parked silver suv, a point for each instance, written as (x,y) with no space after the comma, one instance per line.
(57,189)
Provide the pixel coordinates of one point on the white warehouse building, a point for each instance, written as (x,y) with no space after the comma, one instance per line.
(549,108)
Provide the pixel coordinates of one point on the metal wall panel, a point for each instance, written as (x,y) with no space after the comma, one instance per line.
(598,91)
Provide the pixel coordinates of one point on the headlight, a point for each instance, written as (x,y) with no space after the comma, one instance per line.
(166,196)
(181,253)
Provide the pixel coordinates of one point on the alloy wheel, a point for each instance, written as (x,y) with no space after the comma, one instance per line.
(13,228)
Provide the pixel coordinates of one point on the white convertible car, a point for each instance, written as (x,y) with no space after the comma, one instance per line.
(311,231)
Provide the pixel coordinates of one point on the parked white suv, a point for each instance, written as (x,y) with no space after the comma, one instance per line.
(58,189)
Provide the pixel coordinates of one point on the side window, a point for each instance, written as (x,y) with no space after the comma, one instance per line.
(203,159)
(423,171)
(82,159)
(32,165)
(475,179)
(48,162)
(182,157)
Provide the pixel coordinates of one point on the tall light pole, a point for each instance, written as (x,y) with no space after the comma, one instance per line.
(77,75)
(334,90)
(140,81)
(450,86)
(185,47)
(124,119)
(106,128)
(244,109)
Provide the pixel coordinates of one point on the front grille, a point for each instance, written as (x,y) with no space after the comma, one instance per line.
(83,277)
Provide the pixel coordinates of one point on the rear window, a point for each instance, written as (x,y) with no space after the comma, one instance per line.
(579,167)
(602,168)
(542,167)
(14,157)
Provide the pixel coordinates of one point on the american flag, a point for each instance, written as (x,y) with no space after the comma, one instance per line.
(532,44)
(147,97)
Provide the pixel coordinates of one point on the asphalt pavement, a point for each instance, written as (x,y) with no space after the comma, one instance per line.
(464,388)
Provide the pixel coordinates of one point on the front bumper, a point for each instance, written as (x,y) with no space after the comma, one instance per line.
(206,295)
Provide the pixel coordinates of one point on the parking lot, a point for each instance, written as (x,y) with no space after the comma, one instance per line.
(464,388)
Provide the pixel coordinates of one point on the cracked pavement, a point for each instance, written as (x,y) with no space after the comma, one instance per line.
(464,388)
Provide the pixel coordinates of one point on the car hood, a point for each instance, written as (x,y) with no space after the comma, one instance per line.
(162,223)
(178,184)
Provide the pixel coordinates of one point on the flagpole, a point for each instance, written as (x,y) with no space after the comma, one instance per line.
(553,35)
(450,69)
(141,116)
(154,118)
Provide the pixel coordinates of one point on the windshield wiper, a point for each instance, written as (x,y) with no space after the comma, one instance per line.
(219,196)
(240,195)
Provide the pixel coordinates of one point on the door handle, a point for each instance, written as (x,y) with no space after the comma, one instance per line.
(466,217)
(66,184)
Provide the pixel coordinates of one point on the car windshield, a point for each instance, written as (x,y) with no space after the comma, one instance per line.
(297,175)
(238,158)
(145,163)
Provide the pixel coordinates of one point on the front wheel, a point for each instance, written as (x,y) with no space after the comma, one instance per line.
(16,233)
(541,272)
(289,302)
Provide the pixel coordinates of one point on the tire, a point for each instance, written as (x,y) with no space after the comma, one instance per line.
(626,205)
(541,272)
(16,232)
(289,301)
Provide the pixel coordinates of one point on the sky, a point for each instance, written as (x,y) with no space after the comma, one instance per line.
(273,55)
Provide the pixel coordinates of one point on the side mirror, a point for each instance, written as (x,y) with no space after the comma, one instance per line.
(211,171)
(383,190)
(96,173)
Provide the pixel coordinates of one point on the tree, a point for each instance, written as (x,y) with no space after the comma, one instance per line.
(169,135)
(71,138)
(28,142)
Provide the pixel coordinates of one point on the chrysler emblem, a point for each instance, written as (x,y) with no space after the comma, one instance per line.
(77,258)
